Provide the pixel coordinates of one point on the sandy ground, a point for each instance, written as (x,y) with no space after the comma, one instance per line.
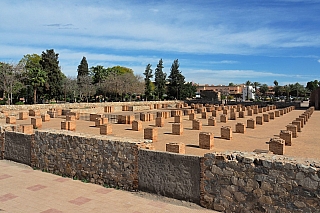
(306,145)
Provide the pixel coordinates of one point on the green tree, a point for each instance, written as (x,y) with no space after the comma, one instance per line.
(264,89)
(176,81)
(31,61)
(50,64)
(188,91)
(287,89)
(160,80)
(147,81)
(83,69)
(99,73)
(312,85)
(37,78)
(11,77)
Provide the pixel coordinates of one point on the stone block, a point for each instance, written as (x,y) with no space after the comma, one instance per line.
(125,108)
(223,118)
(72,118)
(101,121)
(23,115)
(303,119)
(196,124)
(11,120)
(76,114)
(59,111)
(260,110)
(71,125)
(259,120)
(178,119)
(264,109)
(52,114)
(206,140)
(106,129)
(176,113)
(266,117)
(251,123)
(277,146)
(36,122)
(214,113)
(45,117)
(137,125)
(179,148)
(64,125)
(159,122)
(94,116)
(109,109)
(34,112)
(204,115)
(226,132)
(177,129)
(255,111)
(298,124)
(281,112)
(225,112)
(293,130)
(151,134)
(271,115)
(277,113)
(27,128)
(240,128)
(250,112)
(212,121)
(286,136)
(233,115)
(241,114)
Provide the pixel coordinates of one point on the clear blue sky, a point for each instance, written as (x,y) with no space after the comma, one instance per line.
(216,41)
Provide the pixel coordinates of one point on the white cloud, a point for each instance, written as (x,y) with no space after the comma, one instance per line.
(319,60)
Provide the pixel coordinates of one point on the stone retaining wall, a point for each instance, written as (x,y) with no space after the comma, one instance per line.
(99,159)
(18,147)
(170,175)
(228,182)
(239,182)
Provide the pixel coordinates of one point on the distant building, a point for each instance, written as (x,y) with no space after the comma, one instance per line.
(235,91)
(248,93)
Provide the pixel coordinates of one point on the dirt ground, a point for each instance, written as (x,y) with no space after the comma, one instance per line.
(306,145)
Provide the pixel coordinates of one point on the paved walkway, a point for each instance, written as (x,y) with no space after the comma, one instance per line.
(23,189)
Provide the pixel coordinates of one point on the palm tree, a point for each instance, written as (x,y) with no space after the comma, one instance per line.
(287,89)
(38,78)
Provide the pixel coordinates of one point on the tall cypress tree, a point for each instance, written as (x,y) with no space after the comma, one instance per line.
(50,64)
(147,81)
(83,68)
(176,81)
(160,80)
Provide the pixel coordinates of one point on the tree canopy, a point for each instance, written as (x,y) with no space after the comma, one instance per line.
(176,81)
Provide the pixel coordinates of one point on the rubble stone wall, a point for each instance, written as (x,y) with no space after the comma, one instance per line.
(97,159)
(17,146)
(250,183)
(170,175)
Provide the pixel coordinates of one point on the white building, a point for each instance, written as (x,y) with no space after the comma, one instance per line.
(248,93)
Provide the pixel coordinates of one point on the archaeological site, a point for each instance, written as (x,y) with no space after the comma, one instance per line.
(249,157)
